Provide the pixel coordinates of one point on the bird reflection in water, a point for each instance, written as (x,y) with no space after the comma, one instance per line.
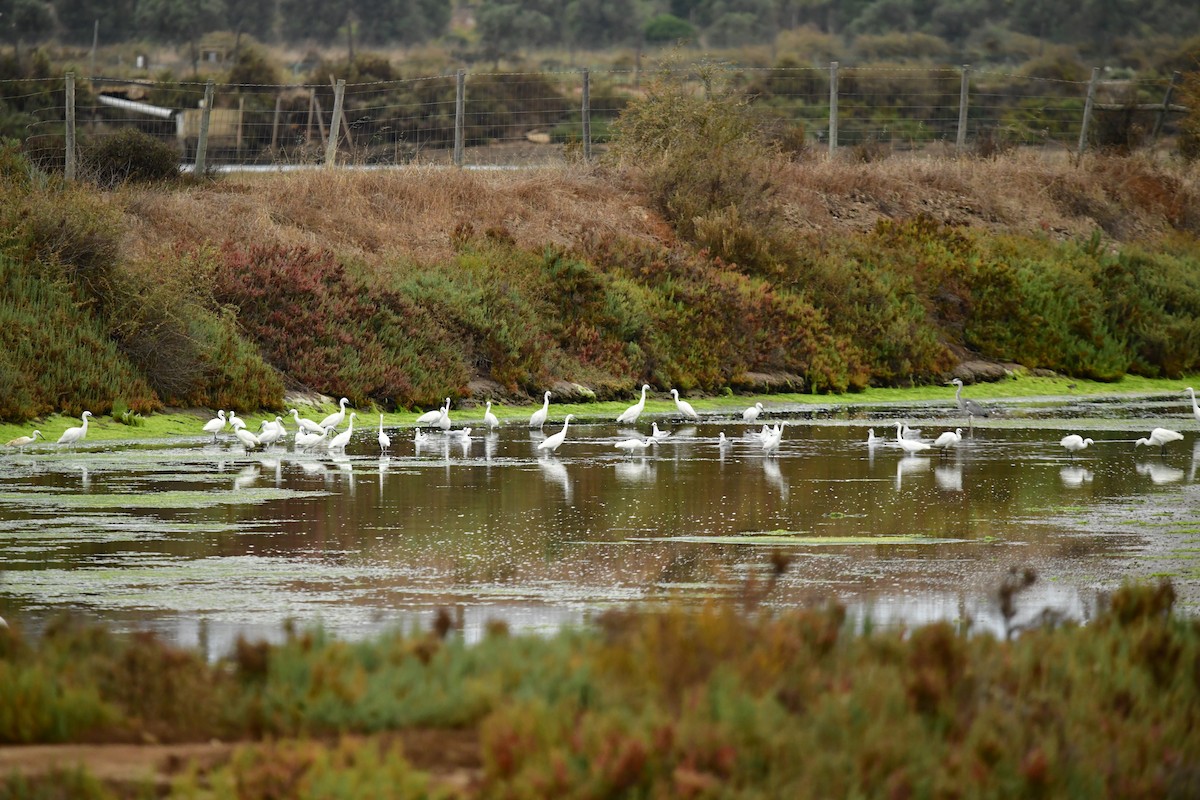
(246,477)
(1074,476)
(276,466)
(554,471)
(775,477)
(949,478)
(384,463)
(910,465)
(346,467)
(636,470)
(1159,473)
(489,446)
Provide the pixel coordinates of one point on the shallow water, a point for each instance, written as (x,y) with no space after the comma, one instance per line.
(203,541)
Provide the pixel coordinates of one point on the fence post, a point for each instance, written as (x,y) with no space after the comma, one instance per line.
(833,109)
(459,112)
(339,90)
(69,167)
(202,139)
(275,123)
(1087,110)
(587,116)
(1166,106)
(963,94)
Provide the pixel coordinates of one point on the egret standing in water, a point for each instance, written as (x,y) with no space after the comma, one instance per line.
(909,445)
(72,435)
(431,417)
(337,417)
(1195,405)
(340,441)
(385,441)
(215,425)
(306,425)
(684,406)
(248,439)
(1160,437)
(750,415)
(630,415)
(489,418)
(949,438)
(235,421)
(551,443)
(21,441)
(538,418)
(1074,443)
(631,446)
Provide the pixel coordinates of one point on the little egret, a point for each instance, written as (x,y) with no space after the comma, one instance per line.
(772,440)
(1074,443)
(235,421)
(631,414)
(631,446)
(248,439)
(684,406)
(431,417)
(872,438)
(385,441)
(551,443)
(1160,437)
(269,432)
(306,439)
(306,425)
(72,435)
(909,445)
(538,418)
(215,425)
(443,421)
(337,417)
(750,415)
(1195,405)
(21,441)
(340,441)
(489,418)
(949,438)
(656,434)
(910,433)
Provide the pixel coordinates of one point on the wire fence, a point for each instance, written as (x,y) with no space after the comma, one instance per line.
(534,118)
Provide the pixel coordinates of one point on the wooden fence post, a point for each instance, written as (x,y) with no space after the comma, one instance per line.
(587,116)
(202,139)
(833,107)
(69,166)
(331,145)
(1087,110)
(275,123)
(460,96)
(963,93)
(1166,106)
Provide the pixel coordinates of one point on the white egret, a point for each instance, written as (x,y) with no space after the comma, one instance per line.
(949,438)
(1195,405)
(337,417)
(750,415)
(631,414)
(235,421)
(72,435)
(538,418)
(684,406)
(215,425)
(1074,443)
(385,441)
(21,441)
(762,434)
(551,443)
(431,417)
(443,421)
(872,439)
(656,434)
(1160,437)
(340,441)
(269,432)
(721,440)
(968,405)
(489,418)
(909,445)
(305,424)
(306,439)
(248,439)
(772,440)
(910,433)
(419,437)
(631,446)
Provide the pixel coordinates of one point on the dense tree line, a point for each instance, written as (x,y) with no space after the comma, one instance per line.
(504,26)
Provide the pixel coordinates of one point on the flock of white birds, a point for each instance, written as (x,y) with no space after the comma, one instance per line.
(311,435)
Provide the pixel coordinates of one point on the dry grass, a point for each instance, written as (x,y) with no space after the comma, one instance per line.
(416,214)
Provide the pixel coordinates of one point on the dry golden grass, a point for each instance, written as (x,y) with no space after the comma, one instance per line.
(414,214)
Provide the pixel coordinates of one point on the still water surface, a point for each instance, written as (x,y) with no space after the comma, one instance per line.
(204,541)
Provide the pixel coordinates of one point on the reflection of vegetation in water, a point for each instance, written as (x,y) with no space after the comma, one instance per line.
(168,499)
(779,538)
(734,702)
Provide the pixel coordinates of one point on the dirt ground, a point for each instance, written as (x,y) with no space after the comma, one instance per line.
(450,757)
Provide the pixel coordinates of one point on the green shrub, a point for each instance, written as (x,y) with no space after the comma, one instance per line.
(129,156)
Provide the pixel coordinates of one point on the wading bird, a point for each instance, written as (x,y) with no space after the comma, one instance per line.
(1074,443)
(248,439)
(909,445)
(21,441)
(489,418)
(656,434)
(551,443)
(385,441)
(305,424)
(340,441)
(337,417)
(631,414)
(968,405)
(1195,405)
(538,418)
(772,439)
(631,446)
(235,421)
(215,425)
(750,415)
(1160,437)
(684,406)
(72,435)
(431,417)
(949,438)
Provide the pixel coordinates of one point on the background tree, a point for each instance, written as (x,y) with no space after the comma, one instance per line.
(179,21)
(77,19)
(603,23)
(25,20)
(506,28)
